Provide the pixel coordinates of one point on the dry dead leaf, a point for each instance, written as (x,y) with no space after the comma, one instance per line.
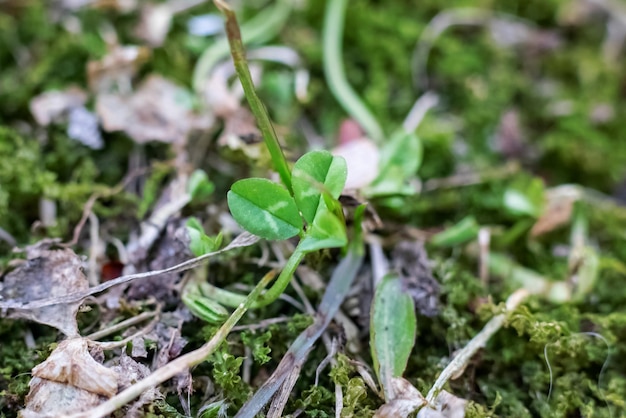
(509,139)
(51,106)
(117,68)
(156,19)
(72,364)
(446,406)
(154,23)
(410,260)
(407,400)
(158,111)
(121,6)
(83,127)
(131,372)
(47,272)
(69,380)
(48,399)
(557,213)
(242,134)
(171,248)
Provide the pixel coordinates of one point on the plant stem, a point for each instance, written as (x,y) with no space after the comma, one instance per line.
(335,73)
(342,278)
(259,29)
(180,364)
(232,299)
(282,281)
(462,358)
(260,113)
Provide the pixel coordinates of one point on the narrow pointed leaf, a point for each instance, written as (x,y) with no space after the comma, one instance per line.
(264,208)
(314,173)
(465,230)
(393,329)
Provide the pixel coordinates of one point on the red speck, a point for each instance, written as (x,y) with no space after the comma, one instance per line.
(349,130)
(111,270)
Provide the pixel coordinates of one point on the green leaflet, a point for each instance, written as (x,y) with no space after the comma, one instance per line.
(326,231)
(525,197)
(393,328)
(264,208)
(463,231)
(205,308)
(200,187)
(400,158)
(199,242)
(313,174)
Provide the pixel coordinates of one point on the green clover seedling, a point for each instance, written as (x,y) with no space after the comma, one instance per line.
(306,204)
(266,209)
(269,211)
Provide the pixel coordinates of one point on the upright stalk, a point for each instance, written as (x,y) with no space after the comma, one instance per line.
(259,111)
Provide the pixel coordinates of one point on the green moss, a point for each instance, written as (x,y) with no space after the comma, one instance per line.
(357,400)
(24,180)
(226,376)
(17,361)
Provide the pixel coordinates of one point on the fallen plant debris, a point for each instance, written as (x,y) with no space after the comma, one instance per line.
(47,272)
(410,214)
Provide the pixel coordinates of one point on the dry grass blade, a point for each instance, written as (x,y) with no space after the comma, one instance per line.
(335,293)
(243,240)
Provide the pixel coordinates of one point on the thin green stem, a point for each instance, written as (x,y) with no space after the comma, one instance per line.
(260,113)
(282,281)
(335,73)
(263,27)
(178,365)
(231,299)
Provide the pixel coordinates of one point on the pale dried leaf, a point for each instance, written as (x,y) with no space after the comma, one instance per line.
(407,400)
(158,111)
(46,273)
(557,213)
(117,68)
(241,133)
(50,106)
(48,399)
(121,6)
(131,372)
(83,127)
(509,139)
(410,260)
(71,363)
(154,24)
(446,406)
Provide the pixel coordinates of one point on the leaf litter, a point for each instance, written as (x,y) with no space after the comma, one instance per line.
(551,251)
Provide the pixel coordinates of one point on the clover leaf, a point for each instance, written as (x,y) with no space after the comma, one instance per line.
(313,174)
(264,208)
